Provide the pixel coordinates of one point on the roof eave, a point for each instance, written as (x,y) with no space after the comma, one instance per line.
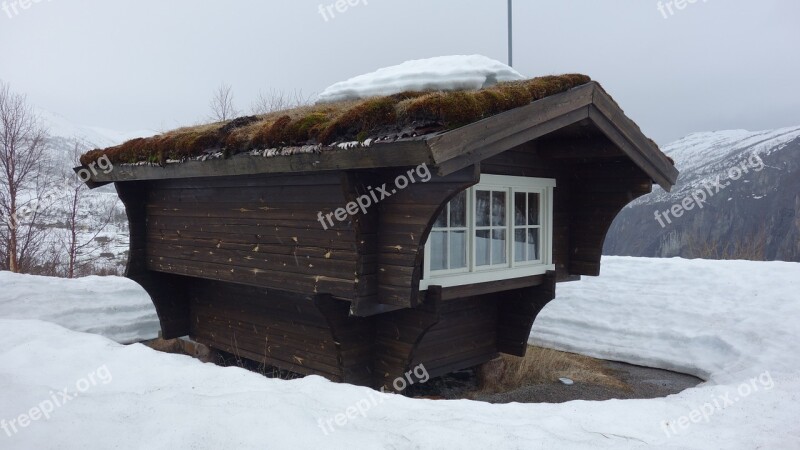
(473,143)
(412,152)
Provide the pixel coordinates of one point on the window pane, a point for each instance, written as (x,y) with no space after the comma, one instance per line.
(533,209)
(519,244)
(441,221)
(482,248)
(458,249)
(482,208)
(458,210)
(438,250)
(498,208)
(498,246)
(520,213)
(533,245)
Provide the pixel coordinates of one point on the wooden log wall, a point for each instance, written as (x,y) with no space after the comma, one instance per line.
(599,192)
(405,220)
(304,334)
(452,330)
(257,230)
(264,231)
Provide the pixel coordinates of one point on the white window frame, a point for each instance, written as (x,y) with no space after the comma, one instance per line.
(512,269)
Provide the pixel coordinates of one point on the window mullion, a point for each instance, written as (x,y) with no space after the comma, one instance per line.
(510,228)
(472,212)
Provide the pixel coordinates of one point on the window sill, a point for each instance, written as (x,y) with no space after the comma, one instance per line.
(446,281)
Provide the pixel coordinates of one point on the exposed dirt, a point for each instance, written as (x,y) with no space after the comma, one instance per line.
(626,381)
(638,382)
(532,379)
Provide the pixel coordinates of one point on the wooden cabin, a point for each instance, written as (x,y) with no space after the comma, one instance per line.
(246,238)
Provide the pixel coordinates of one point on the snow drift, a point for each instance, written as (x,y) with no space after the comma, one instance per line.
(732,321)
(114,307)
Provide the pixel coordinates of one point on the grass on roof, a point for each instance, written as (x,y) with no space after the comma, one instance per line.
(329,123)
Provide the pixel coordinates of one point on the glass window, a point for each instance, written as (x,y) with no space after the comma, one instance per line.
(492,229)
(482,204)
(438,250)
(527,225)
(533,209)
(498,208)
(448,248)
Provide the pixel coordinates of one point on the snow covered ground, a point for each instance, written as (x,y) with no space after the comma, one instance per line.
(114,307)
(732,322)
(443,73)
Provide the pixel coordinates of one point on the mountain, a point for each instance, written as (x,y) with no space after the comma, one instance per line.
(737,197)
(59,126)
(99,210)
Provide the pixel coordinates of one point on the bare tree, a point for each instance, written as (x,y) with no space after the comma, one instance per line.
(22,144)
(76,192)
(222,108)
(278,100)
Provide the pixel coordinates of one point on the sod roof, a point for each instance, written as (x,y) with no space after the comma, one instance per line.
(376,119)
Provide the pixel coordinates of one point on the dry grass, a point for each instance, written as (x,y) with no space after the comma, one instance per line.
(543,366)
(328,123)
(752,248)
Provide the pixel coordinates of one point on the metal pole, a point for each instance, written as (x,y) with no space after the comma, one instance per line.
(510,35)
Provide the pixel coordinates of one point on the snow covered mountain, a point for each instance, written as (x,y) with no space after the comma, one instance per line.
(738,196)
(61,128)
(108,250)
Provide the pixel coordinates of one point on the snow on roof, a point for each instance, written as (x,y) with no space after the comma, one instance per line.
(443,73)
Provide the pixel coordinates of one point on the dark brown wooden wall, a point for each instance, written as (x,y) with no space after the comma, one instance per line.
(256,230)
(405,219)
(305,334)
(452,330)
(264,231)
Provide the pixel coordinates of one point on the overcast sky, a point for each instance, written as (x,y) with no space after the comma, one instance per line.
(146,64)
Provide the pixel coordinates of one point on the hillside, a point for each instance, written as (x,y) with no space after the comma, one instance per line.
(754,212)
(107,253)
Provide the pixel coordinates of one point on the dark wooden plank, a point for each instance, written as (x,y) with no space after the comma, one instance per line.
(255,277)
(586,149)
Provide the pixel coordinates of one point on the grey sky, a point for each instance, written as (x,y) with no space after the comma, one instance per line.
(128,65)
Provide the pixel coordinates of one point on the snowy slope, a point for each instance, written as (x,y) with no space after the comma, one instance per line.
(748,187)
(59,126)
(701,156)
(712,319)
(732,321)
(108,252)
(114,307)
(443,73)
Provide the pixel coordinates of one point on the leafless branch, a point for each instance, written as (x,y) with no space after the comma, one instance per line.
(278,100)
(222,107)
